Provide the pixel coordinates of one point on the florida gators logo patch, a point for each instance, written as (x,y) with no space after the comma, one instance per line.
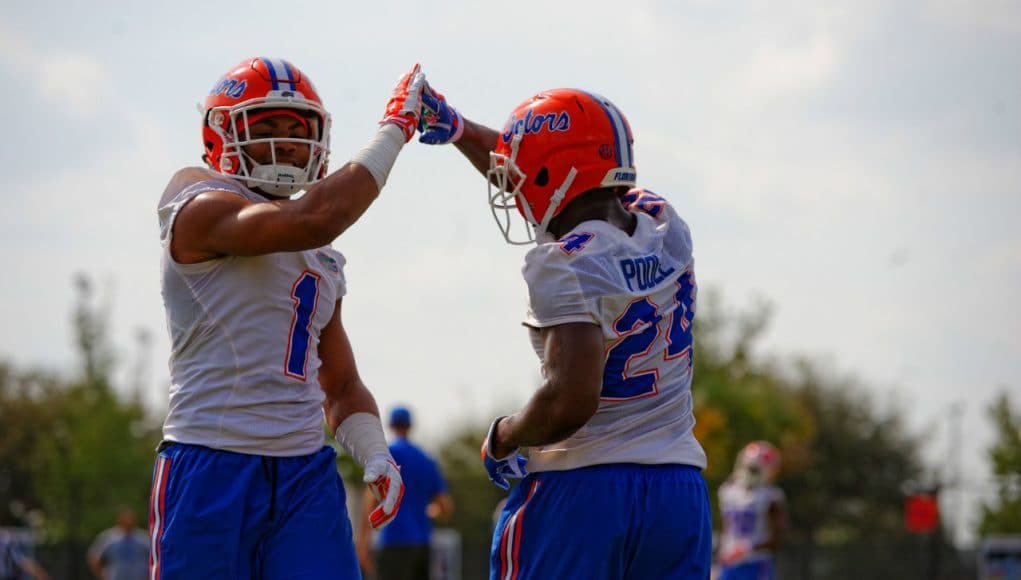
(229,87)
(327,261)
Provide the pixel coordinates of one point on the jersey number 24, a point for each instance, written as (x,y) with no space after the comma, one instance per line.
(619,384)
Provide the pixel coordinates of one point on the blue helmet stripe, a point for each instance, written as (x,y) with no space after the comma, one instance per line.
(272,72)
(290,73)
(627,139)
(622,141)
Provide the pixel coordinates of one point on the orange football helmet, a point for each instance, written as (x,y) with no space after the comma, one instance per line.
(252,90)
(556,146)
(758,463)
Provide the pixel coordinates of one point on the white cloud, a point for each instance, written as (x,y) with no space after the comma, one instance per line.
(75,83)
(976,16)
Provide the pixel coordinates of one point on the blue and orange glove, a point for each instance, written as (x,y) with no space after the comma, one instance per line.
(513,465)
(439,123)
(405,105)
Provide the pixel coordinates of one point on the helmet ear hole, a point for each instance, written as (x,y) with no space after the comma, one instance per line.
(542,178)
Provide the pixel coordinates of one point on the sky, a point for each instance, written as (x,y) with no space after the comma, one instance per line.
(856,164)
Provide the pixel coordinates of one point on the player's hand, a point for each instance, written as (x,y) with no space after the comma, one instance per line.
(384,480)
(439,123)
(405,105)
(512,465)
(735,553)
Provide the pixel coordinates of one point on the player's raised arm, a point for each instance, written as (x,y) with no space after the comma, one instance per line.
(283,150)
(441,123)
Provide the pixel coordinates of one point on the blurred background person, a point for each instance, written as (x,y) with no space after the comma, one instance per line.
(16,561)
(403,548)
(120,552)
(754,515)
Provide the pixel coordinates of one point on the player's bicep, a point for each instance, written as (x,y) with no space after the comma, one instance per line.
(218,223)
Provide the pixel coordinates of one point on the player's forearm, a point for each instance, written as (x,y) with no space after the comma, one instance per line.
(336,202)
(476,144)
(96,567)
(768,545)
(551,415)
(342,403)
(36,571)
(331,206)
(573,355)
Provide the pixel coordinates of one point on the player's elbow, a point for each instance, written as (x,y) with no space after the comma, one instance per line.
(333,205)
(320,230)
(568,414)
(321,223)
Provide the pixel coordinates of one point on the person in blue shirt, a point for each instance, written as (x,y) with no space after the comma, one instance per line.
(121,552)
(16,559)
(403,547)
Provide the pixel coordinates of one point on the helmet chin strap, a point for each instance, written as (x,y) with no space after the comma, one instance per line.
(555,200)
(276,180)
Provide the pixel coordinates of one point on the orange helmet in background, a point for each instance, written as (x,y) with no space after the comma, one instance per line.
(758,463)
(556,146)
(254,89)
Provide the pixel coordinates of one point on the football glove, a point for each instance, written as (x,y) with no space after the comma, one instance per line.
(735,553)
(405,104)
(513,465)
(384,480)
(439,123)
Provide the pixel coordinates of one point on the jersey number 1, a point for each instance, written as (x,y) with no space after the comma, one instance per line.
(305,294)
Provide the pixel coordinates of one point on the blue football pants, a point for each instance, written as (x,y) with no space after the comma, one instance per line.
(605,522)
(219,514)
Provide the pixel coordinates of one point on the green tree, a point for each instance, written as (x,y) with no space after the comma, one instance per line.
(857,463)
(24,424)
(845,459)
(74,450)
(1004,515)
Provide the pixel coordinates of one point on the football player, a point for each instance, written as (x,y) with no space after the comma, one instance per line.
(244,485)
(612,485)
(754,515)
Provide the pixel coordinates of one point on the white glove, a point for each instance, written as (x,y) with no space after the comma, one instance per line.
(384,480)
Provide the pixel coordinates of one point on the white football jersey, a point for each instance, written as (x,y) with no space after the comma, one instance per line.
(745,512)
(244,334)
(640,290)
